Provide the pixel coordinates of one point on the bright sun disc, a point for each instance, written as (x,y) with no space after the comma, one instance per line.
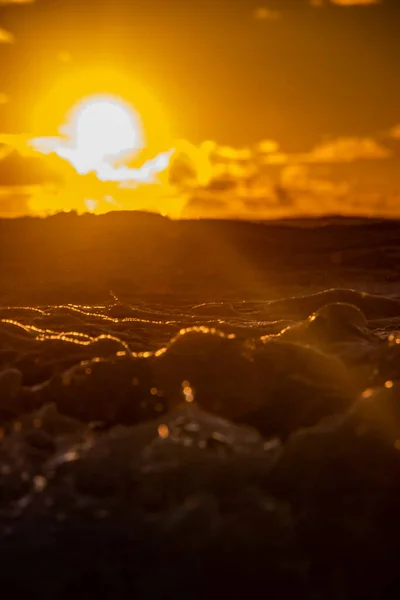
(100,128)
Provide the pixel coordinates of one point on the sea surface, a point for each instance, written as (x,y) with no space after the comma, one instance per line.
(168,434)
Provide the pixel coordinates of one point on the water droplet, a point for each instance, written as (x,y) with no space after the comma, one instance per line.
(39,483)
(163,431)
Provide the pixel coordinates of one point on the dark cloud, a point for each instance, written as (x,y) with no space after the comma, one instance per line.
(182,170)
(6,37)
(14,203)
(211,206)
(17,170)
(221,184)
(284,196)
(259,205)
(4,151)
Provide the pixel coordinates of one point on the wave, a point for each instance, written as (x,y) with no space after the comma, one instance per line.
(261,434)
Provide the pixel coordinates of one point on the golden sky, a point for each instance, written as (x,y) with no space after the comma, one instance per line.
(268,108)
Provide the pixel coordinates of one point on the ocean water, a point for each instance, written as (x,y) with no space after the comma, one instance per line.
(239,433)
(167,449)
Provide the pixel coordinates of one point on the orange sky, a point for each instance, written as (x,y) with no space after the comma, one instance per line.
(300,99)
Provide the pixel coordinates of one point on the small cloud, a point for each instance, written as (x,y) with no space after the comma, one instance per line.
(209,206)
(395,132)
(14,202)
(309,193)
(17,170)
(18,142)
(229,153)
(222,183)
(182,170)
(268,147)
(355,2)
(4,150)
(321,3)
(278,158)
(4,99)
(266,14)
(6,37)
(347,149)
(16,2)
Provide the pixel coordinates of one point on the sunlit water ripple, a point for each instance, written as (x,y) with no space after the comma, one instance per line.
(175,413)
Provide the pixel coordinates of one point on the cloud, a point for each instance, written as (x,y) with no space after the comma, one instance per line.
(6,37)
(17,170)
(205,206)
(278,158)
(183,170)
(355,2)
(190,166)
(322,3)
(347,149)
(254,187)
(267,182)
(205,180)
(230,153)
(18,142)
(16,2)
(307,194)
(4,151)
(15,202)
(395,132)
(299,178)
(266,14)
(268,147)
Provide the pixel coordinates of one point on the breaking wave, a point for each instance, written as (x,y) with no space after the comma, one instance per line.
(164,443)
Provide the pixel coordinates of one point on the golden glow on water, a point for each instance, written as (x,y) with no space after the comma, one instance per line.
(84,339)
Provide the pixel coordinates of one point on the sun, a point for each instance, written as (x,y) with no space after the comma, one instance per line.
(102,138)
(101,129)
